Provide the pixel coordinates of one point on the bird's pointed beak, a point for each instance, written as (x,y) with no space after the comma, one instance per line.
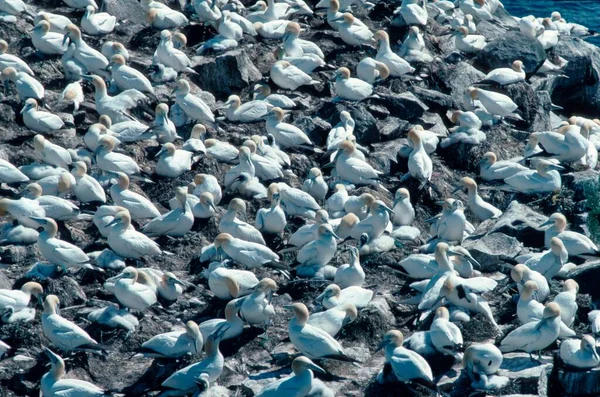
(65,38)
(315,367)
(113,222)
(456,189)
(548,222)
(383,344)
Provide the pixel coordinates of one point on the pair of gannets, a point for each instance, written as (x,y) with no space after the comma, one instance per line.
(256,308)
(56,208)
(110,161)
(353,169)
(236,228)
(315,255)
(46,41)
(521,274)
(170,56)
(544,179)
(575,243)
(175,223)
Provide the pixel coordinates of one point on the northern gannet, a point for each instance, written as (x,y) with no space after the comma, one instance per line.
(521,274)
(420,165)
(482,362)
(126,241)
(56,251)
(232,319)
(194,107)
(56,208)
(131,293)
(9,60)
(139,207)
(334,319)
(446,336)
(359,205)
(127,77)
(93,61)
(545,179)
(413,13)
(114,318)
(256,308)
(297,202)
(116,107)
(110,48)
(494,102)
(165,18)
(184,381)
(228,284)
(477,205)
(27,86)
(174,344)
(580,353)
(468,43)
(353,33)
(248,186)
(175,223)
(63,333)
(262,92)
(53,383)
(413,48)
(236,228)
(350,274)
(173,162)
(297,385)
(375,223)
(289,77)
(246,253)
(38,120)
(47,42)
(51,153)
(352,169)
(315,185)
(371,70)
(550,262)
(72,94)
(315,255)
(312,341)
(97,24)
(18,299)
(287,135)
(350,88)
(536,335)
(296,47)
(334,296)
(248,112)
(335,203)
(567,301)
(272,29)
(271,220)
(505,76)
(110,161)
(491,169)
(396,64)
(406,365)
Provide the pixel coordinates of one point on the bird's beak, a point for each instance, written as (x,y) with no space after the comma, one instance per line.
(383,344)
(213,206)
(239,303)
(24,108)
(335,236)
(318,298)
(113,222)
(67,37)
(41,221)
(54,358)
(86,77)
(288,307)
(160,152)
(179,282)
(456,189)
(548,222)
(556,167)
(480,162)
(315,367)
(388,209)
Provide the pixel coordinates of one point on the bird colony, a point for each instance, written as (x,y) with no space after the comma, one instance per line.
(293,198)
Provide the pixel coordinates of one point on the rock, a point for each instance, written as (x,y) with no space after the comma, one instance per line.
(457,78)
(68,291)
(405,104)
(585,184)
(588,277)
(315,127)
(380,306)
(391,128)
(521,366)
(492,249)
(434,98)
(523,95)
(227,73)
(581,88)
(5,282)
(541,119)
(490,31)
(501,53)
(577,382)
(131,10)
(434,123)
(365,129)
(521,222)
(16,254)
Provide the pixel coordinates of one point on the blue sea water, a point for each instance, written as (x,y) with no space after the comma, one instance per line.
(585,12)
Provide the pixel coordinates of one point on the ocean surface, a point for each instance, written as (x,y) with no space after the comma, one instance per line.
(585,12)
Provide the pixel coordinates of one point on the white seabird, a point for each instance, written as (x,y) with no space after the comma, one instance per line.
(194,107)
(86,189)
(334,319)
(477,205)
(97,24)
(127,77)
(46,41)
(310,340)
(175,223)
(195,142)
(56,208)
(126,241)
(116,107)
(246,253)
(350,274)
(491,169)
(256,308)
(131,293)
(334,296)
(287,135)
(397,65)
(545,179)
(9,60)
(550,262)
(139,207)
(237,228)
(482,362)
(53,383)
(11,174)
(248,112)
(335,203)
(169,56)
(208,183)
(580,353)
(174,344)
(56,251)
(173,162)
(575,243)
(38,120)
(165,18)
(521,274)
(297,385)
(27,86)
(289,77)
(271,220)
(406,365)
(110,161)
(93,61)
(18,299)
(63,333)
(228,284)
(315,255)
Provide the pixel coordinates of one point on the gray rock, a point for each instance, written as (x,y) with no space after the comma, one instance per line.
(529,106)
(457,78)
(520,366)
(521,222)
(68,291)
(366,130)
(315,127)
(542,120)
(405,104)
(391,128)
(492,249)
(16,254)
(227,73)
(5,282)
(434,98)
(585,184)
(511,46)
(380,306)
(588,278)
(577,382)
(490,31)
(131,10)
(434,123)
